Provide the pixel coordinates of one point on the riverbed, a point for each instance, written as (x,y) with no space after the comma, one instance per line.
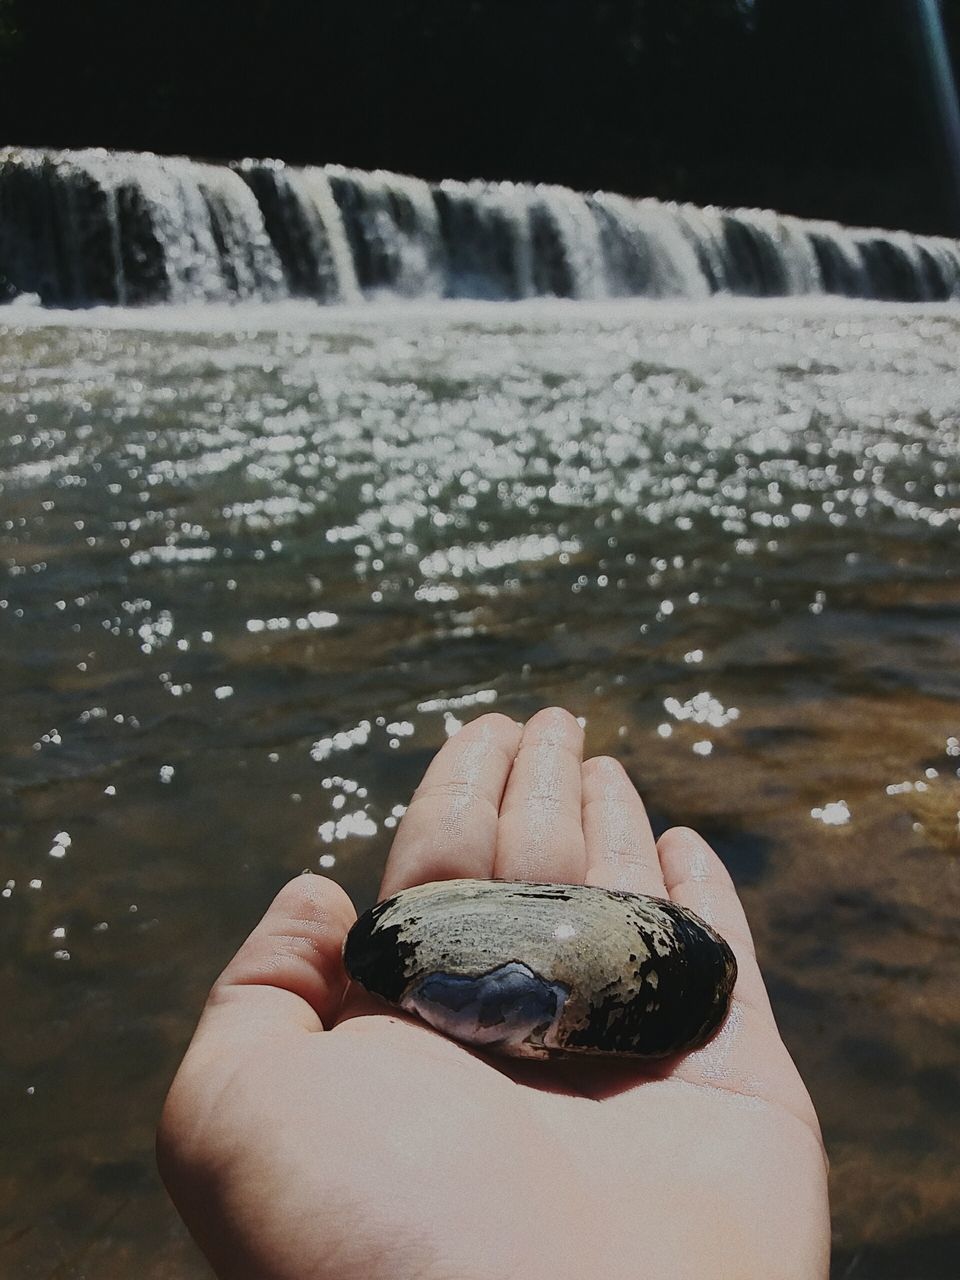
(259,562)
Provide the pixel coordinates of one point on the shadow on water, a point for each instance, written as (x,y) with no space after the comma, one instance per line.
(922,1258)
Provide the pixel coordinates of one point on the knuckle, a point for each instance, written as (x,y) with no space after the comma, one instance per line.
(448,789)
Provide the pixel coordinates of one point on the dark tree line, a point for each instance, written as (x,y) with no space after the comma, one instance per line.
(814,106)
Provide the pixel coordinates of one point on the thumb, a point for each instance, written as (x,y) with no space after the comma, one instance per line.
(286,979)
(289,972)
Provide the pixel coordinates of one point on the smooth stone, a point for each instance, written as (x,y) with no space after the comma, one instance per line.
(546,970)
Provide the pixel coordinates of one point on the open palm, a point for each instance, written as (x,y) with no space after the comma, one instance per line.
(379,1149)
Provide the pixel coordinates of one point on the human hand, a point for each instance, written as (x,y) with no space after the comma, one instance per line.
(378,1149)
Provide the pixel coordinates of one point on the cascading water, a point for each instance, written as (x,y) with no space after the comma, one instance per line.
(487,237)
(88,227)
(305,225)
(648,250)
(97,227)
(393,230)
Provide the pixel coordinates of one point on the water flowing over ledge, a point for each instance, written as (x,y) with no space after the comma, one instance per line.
(95,227)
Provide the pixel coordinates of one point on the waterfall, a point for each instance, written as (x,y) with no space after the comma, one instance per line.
(99,227)
(648,250)
(304,222)
(487,239)
(393,228)
(87,227)
(563,222)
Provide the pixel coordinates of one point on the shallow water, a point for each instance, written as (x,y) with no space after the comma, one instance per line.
(259,563)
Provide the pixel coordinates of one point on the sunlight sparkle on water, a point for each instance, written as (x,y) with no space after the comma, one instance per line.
(358,823)
(702,708)
(482,697)
(835,814)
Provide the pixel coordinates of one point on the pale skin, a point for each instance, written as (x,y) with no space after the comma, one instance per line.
(313,1133)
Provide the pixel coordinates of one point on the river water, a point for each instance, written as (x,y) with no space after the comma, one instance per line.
(258,563)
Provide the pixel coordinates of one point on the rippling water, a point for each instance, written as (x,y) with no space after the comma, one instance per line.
(259,564)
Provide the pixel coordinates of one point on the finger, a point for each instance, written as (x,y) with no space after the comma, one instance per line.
(621,849)
(450,828)
(696,878)
(289,972)
(746,1056)
(540,836)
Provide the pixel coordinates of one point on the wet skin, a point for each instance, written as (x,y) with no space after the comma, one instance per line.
(312,1132)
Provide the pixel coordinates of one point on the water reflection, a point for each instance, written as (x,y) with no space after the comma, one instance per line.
(255,578)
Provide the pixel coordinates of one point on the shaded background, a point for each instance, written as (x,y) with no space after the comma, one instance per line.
(815,107)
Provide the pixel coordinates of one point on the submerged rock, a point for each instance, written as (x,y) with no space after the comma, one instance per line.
(546,970)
